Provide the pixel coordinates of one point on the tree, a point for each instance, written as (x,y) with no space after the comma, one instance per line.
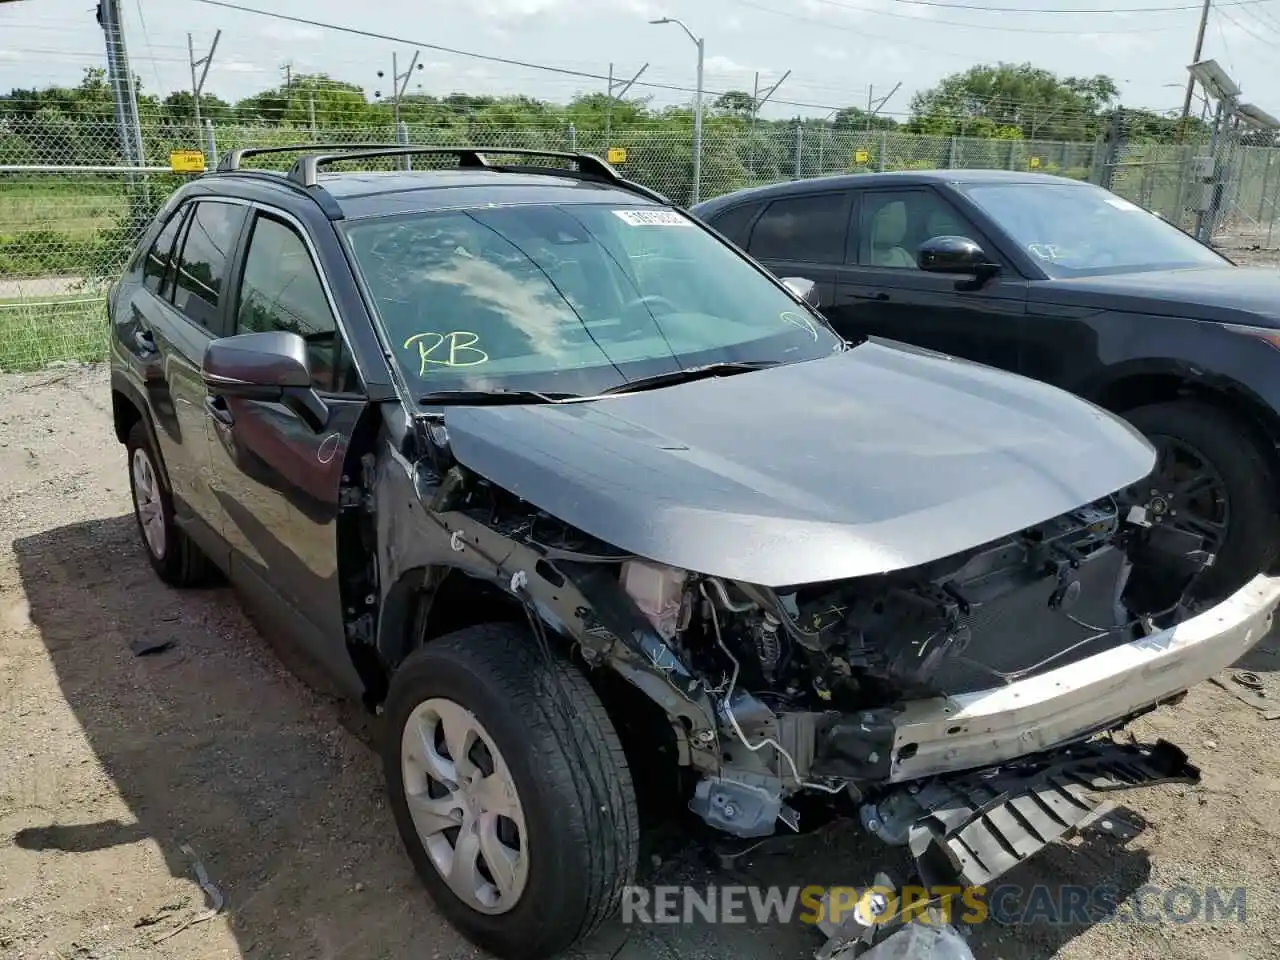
(855,118)
(735,102)
(1039,104)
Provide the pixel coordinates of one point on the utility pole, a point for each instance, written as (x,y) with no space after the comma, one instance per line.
(1195,58)
(758,101)
(123,90)
(700,43)
(875,106)
(400,81)
(608,108)
(197,85)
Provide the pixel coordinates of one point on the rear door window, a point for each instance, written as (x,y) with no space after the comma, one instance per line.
(211,236)
(807,229)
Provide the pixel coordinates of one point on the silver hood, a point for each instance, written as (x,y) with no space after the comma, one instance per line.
(879,458)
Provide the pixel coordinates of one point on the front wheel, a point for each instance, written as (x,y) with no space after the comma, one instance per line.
(1211,480)
(510,790)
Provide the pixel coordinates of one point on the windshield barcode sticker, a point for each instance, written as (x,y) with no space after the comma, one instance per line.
(652,218)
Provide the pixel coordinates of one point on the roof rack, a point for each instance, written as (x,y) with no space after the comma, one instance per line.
(233,159)
(307,168)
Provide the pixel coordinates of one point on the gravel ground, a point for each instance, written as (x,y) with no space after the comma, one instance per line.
(118,772)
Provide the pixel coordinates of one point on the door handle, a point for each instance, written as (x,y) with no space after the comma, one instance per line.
(216,407)
(878,297)
(145,340)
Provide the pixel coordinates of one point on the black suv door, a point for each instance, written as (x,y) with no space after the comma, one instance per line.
(276,471)
(883,292)
(176,311)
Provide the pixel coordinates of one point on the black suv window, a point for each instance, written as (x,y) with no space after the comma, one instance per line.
(733,223)
(202,268)
(893,224)
(155,269)
(281,290)
(810,229)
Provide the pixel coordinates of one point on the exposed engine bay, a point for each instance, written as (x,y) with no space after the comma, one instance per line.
(804,683)
(787,667)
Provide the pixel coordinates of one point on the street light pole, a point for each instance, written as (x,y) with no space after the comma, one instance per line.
(697,104)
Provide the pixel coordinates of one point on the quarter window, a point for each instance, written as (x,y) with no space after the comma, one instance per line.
(156,275)
(281,290)
(734,223)
(810,229)
(202,269)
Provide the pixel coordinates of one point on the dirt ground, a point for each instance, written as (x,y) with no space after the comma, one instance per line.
(119,774)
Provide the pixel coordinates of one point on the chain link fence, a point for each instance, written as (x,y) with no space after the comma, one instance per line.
(70,214)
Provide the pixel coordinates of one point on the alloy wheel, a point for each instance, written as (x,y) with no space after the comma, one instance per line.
(147,503)
(464,804)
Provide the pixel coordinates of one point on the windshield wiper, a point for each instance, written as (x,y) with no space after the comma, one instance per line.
(491,397)
(690,373)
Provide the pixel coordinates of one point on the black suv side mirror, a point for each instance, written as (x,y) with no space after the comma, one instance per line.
(957,255)
(271,367)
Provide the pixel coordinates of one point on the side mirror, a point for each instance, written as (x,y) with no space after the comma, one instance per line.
(256,366)
(803,288)
(270,367)
(957,256)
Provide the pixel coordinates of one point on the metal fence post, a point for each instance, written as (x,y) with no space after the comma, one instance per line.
(799,147)
(884,148)
(210,143)
(573,138)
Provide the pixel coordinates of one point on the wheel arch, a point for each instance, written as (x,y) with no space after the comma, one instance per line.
(129,408)
(1139,387)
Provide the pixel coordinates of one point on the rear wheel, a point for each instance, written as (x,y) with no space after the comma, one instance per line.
(175,559)
(1211,480)
(510,790)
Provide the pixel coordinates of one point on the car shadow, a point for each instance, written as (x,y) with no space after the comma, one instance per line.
(222,753)
(223,757)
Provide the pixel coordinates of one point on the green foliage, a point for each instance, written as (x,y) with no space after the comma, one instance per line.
(1037,103)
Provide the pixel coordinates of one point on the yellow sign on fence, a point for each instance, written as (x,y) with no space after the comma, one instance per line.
(861,156)
(617,155)
(186,161)
(1035,161)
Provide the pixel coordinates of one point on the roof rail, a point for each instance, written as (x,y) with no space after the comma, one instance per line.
(233,159)
(307,168)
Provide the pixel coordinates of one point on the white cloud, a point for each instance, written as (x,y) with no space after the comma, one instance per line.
(10,54)
(288,32)
(830,53)
(237,66)
(507,9)
(722,64)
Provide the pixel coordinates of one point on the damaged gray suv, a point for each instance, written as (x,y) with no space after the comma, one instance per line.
(578,498)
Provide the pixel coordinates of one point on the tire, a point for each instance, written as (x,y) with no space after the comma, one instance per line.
(1233,450)
(572,793)
(176,560)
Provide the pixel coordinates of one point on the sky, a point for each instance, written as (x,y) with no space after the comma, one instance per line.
(839,52)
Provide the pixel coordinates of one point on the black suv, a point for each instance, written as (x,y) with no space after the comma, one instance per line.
(565,487)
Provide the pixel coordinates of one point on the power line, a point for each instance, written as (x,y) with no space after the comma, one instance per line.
(1249,30)
(869,11)
(1092,11)
(490,58)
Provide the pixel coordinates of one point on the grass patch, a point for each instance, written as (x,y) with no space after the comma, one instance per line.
(35,332)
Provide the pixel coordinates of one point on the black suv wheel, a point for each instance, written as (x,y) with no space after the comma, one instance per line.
(510,791)
(175,559)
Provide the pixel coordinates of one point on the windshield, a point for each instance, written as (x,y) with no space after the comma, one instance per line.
(1079,230)
(571,298)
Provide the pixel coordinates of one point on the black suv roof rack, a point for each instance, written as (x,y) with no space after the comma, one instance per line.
(306,170)
(233,160)
(304,174)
